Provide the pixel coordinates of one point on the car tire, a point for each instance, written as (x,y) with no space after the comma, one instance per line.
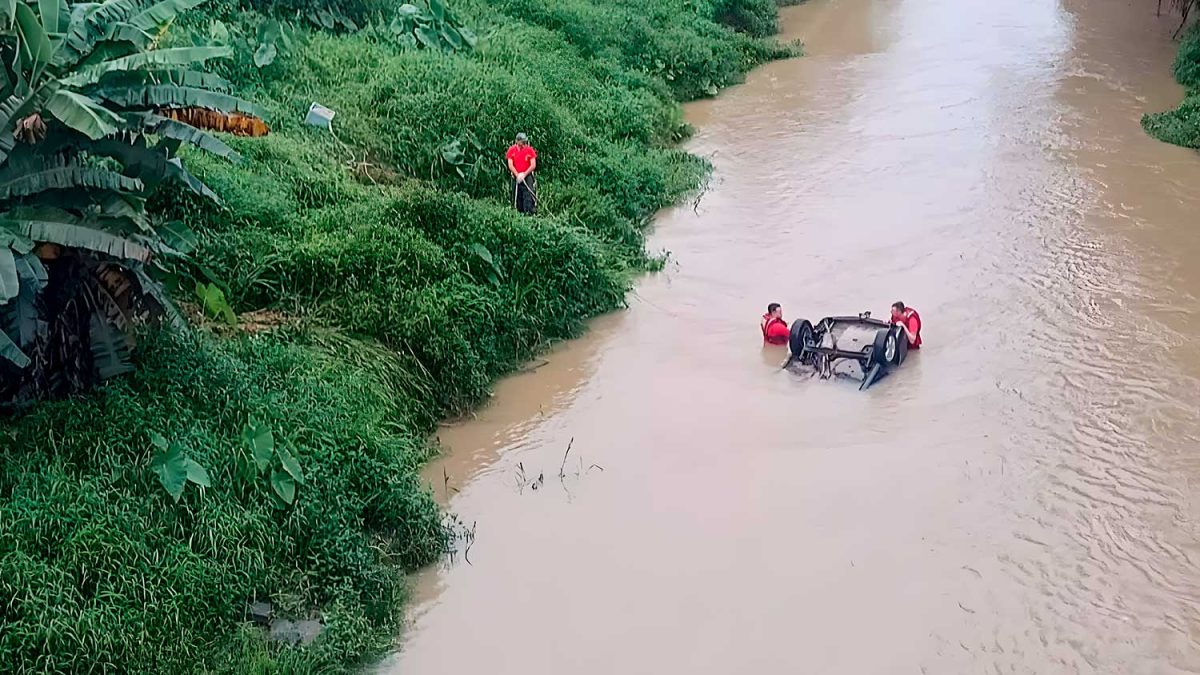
(802,335)
(901,346)
(886,347)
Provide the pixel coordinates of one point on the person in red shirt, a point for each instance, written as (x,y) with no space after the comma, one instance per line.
(908,319)
(774,328)
(522,162)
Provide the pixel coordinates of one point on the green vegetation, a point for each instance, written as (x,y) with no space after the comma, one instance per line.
(82,147)
(136,523)
(103,571)
(1181,126)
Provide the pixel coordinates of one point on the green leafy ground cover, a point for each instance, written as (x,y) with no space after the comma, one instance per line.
(1181,126)
(407,284)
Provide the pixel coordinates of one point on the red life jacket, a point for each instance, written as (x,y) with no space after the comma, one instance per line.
(912,321)
(774,330)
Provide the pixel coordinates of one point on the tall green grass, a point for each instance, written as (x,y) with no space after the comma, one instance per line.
(102,572)
(1181,126)
(414,285)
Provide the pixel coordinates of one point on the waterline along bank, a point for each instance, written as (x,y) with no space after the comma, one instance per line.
(1181,125)
(1019,497)
(381,282)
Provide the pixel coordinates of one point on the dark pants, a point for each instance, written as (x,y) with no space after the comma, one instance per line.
(525,194)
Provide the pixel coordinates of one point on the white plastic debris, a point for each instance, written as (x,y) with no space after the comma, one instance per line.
(320,116)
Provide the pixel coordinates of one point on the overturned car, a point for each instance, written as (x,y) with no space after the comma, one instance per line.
(856,346)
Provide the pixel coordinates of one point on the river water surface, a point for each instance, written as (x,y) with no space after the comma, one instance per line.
(1021,497)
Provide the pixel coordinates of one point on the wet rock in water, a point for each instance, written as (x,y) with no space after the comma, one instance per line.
(296,632)
(259,612)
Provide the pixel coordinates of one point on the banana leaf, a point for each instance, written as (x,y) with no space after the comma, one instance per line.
(121,206)
(177,76)
(14,183)
(11,238)
(17,105)
(23,322)
(124,32)
(160,13)
(176,56)
(117,20)
(174,96)
(89,25)
(180,131)
(178,236)
(34,45)
(151,166)
(8,13)
(11,352)
(60,227)
(52,13)
(154,289)
(10,283)
(110,348)
(83,114)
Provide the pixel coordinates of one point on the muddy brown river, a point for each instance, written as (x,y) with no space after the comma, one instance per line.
(1021,497)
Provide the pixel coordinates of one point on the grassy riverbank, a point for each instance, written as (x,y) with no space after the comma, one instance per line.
(398,283)
(1181,126)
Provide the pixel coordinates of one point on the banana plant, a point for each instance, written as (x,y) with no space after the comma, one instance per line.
(93,111)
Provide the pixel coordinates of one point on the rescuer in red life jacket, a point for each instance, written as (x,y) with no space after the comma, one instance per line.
(908,319)
(774,328)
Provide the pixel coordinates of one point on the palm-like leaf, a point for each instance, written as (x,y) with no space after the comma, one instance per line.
(22,320)
(178,76)
(178,56)
(119,206)
(62,175)
(83,114)
(35,47)
(99,113)
(9,351)
(91,24)
(151,166)
(10,284)
(173,96)
(186,133)
(124,32)
(8,13)
(19,103)
(116,20)
(158,13)
(11,238)
(58,227)
(110,348)
(155,291)
(53,15)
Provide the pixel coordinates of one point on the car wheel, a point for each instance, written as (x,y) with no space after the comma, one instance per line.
(886,347)
(901,347)
(802,336)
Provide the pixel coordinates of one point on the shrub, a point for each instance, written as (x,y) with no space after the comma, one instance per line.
(413,285)
(1181,126)
(99,567)
(758,18)
(1187,61)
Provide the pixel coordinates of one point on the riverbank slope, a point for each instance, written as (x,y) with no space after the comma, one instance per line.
(388,284)
(1181,126)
